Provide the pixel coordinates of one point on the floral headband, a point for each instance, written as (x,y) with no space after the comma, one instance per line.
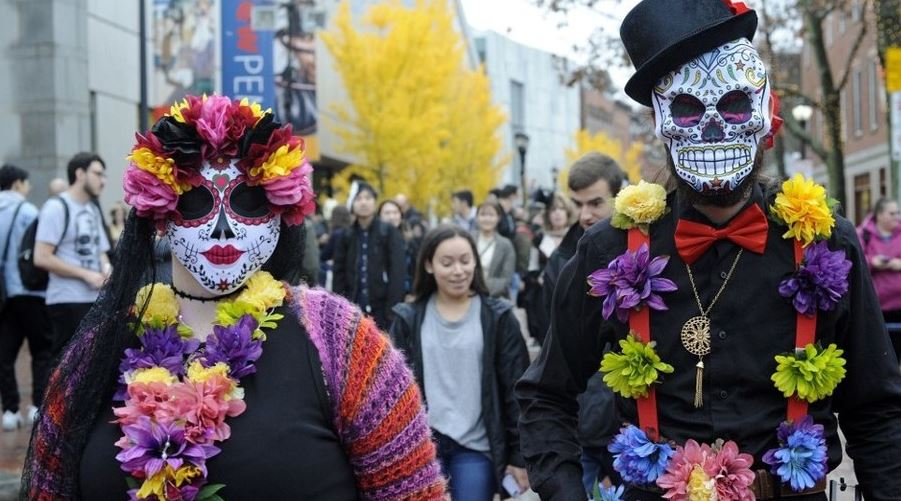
(166,161)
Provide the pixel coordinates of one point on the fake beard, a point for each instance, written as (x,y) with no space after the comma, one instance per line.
(225,231)
(712,113)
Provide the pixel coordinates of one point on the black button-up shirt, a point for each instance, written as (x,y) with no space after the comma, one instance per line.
(753,324)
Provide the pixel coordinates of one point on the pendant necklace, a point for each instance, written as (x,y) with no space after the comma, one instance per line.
(696,331)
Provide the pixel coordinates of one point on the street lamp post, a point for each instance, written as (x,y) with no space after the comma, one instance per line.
(522,144)
(802,113)
(554,173)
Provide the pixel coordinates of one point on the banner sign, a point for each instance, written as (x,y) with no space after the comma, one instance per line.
(247,59)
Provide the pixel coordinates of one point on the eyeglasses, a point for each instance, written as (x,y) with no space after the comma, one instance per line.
(99,173)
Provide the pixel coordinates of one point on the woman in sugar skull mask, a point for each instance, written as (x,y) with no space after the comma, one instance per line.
(229,375)
(720,300)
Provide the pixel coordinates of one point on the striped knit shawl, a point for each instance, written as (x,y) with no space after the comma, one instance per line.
(376,405)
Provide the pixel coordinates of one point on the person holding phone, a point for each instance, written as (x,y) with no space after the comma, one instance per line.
(880,236)
(466,350)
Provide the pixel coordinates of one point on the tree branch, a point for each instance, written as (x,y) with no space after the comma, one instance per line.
(792,91)
(805,137)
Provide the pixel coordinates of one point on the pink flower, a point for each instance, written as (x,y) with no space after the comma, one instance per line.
(147,194)
(733,474)
(725,466)
(204,407)
(213,123)
(144,399)
(292,196)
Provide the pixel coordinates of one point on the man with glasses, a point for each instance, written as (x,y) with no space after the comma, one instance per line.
(72,245)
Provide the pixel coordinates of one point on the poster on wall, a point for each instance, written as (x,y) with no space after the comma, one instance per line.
(184,50)
(295,65)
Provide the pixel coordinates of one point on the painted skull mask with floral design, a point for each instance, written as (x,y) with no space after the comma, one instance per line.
(712,114)
(223,230)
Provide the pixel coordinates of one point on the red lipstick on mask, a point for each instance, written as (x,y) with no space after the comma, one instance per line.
(219,255)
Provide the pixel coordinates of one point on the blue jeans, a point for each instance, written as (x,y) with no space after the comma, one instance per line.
(470,473)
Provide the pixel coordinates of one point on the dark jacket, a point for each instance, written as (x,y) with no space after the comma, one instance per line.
(385,274)
(597,408)
(505,360)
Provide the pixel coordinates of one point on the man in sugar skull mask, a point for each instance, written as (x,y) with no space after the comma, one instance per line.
(742,316)
(230,374)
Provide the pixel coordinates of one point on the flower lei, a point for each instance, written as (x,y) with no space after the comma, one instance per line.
(720,471)
(178,392)
(165,162)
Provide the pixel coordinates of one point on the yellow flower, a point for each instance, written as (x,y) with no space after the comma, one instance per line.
(161,167)
(280,163)
(154,486)
(175,110)
(262,292)
(700,486)
(151,375)
(186,474)
(197,373)
(643,203)
(256,108)
(803,207)
(162,308)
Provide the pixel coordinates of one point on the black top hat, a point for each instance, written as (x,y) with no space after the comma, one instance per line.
(661,35)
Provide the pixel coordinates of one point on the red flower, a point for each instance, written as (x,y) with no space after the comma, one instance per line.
(736,7)
(259,153)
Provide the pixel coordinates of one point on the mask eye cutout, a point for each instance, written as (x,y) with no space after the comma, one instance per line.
(734,107)
(687,110)
(196,203)
(249,201)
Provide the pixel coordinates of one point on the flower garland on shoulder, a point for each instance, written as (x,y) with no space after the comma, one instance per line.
(719,471)
(165,162)
(811,373)
(178,391)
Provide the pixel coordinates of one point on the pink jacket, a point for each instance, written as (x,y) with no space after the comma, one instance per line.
(887,282)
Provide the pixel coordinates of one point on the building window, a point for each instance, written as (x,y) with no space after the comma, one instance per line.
(92,118)
(883,182)
(827,30)
(874,96)
(862,200)
(857,102)
(855,10)
(517,110)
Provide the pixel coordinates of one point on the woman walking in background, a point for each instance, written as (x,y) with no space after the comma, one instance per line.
(466,351)
(495,251)
(880,235)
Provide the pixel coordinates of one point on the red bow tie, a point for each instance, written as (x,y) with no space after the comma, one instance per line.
(748,229)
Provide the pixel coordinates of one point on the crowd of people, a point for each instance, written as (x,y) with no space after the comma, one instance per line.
(397,364)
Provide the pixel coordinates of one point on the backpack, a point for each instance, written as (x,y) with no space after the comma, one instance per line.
(34,278)
(4,291)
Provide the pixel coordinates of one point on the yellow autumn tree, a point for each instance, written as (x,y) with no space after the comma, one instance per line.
(417,120)
(585,142)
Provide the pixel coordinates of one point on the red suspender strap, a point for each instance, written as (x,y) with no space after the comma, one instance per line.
(805,334)
(640,325)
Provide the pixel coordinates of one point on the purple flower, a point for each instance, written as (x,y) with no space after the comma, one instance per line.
(630,282)
(820,281)
(149,447)
(638,459)
(235,346)
(159,348)
(800,459)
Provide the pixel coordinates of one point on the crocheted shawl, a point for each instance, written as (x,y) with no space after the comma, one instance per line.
(376,405)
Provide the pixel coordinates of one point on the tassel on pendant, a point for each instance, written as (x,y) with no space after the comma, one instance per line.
(699,385)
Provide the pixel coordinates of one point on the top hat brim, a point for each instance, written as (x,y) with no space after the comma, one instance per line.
(709,37)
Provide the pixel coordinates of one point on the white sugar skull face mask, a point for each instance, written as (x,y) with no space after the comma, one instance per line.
(225,230)
(712,114)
